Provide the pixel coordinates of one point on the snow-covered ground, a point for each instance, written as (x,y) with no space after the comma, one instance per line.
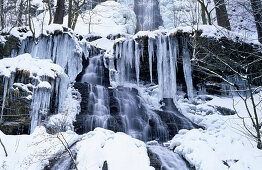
(224,144)
(33,152)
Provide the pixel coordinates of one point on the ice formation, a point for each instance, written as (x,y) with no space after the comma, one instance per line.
(187,69)
(164,49)
(46,77)
(148,15)
(62,49)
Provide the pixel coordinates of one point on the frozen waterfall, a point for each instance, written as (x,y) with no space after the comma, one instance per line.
(148,14)
(62,49)
(40,105)
(162,51)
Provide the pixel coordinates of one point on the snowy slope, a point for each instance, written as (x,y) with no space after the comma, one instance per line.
(224,144)
(33,152)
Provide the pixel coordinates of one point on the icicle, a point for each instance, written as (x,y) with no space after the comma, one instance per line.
(63,86)
(151,55)
(166,70)
(160,67)
(40,105)
(187,70)
(130,53)
(5,79)
(137,61)
(173,66)
(167,66)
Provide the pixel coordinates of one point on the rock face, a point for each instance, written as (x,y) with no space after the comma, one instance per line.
(228,51)
(6,48)
(16,116)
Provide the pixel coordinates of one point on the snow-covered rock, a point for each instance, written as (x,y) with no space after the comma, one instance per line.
(35,68)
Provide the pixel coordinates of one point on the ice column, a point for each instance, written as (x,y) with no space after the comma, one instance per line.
(151,56)
(187,70)
(6,79)
(40,104)
(137,61)
(167,51)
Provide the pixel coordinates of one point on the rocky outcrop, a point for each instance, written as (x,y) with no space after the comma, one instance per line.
(16,118)
(11,43)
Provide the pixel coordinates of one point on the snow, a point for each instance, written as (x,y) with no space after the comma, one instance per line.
(106,18)
(209,31)
(44,84)
(35,67)
(167,13)
(33,152)
(119,150)
(103,43)
(67,115)
(223,144)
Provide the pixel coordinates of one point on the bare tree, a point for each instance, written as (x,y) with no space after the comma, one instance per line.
(20,14)
(69,24)
(237,66)
(62,139)
(204,7)
(30,21)
(50,11)
(74,10)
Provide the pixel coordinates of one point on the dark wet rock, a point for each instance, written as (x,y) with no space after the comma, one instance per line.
(105,166)
(225,111)
(6,48)
(16,119)
(154,159)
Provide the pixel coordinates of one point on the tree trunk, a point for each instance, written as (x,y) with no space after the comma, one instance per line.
(203,14)
(59,13)
(20,14)
(257,12)
(75,21)
(30,22)
(222,16)
(50,12)
(2,14)
(69,24)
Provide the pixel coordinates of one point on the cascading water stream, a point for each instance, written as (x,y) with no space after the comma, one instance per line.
(168,160)
(98,104)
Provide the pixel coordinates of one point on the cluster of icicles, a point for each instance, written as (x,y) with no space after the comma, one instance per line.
(165,50)
(62,50)
(42,93)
